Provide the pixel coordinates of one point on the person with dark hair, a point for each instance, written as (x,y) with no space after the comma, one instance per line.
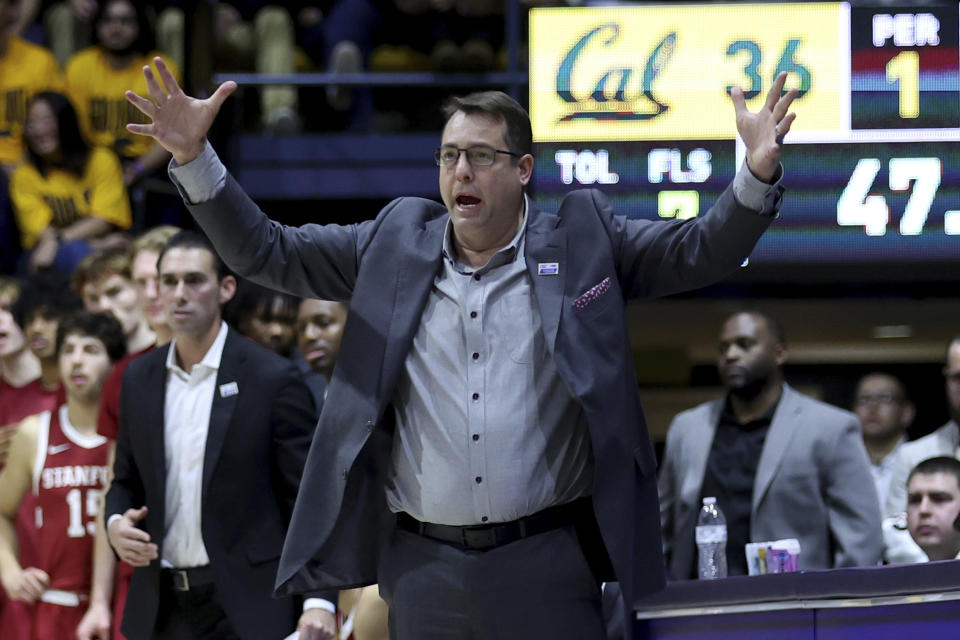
(267,317)
(46,300)
(65,195)
(945,441)
(104,281)
(208,423)
(60,455)
(25,69)
(319,333)
(484,406)
(98,76)
(933,507)
(885,413)
(779,463)
(19,368)
(108,597)
(21,395)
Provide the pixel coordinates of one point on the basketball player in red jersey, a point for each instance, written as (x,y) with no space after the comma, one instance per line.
(105,612)
(60,457)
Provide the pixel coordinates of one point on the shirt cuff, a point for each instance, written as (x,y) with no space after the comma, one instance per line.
(749,190)
(201,179)
(319,603)
(113,519)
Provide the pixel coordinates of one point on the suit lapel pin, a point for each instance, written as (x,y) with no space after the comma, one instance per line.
(229,389)
(548,268)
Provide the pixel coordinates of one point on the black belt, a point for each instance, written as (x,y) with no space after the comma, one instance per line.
(186,579)
(488,536)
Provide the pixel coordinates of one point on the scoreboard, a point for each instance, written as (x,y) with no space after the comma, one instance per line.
(634,100)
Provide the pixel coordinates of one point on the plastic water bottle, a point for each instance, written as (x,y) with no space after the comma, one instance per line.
(711,541)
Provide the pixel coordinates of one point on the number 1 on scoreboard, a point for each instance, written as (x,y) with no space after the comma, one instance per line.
(905,69)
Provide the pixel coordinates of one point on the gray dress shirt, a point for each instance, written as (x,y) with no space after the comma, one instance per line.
(486,429)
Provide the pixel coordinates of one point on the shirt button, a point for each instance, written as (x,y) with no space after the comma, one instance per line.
(478,479)
(476,396)
(476,277)
(476,437)
(484,519)
(475,355)
(473,314)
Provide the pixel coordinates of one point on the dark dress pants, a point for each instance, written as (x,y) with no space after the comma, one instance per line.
(536,587)
(192,615)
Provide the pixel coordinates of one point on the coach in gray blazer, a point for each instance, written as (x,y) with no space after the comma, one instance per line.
(810,481)
(501,545)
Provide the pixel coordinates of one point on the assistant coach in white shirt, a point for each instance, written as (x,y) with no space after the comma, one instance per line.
(214,432)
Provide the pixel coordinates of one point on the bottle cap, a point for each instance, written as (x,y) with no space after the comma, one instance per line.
(710,500)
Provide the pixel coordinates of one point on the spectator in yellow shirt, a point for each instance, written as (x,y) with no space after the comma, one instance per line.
(99,76)
(25,69)
(67,197)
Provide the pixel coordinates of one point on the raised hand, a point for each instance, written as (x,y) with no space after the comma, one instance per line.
(762,132)
(178,122)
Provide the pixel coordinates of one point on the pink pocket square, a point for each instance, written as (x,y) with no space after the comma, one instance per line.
(592,294)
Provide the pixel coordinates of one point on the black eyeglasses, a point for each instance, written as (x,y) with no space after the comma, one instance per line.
(478,155)
(864,399)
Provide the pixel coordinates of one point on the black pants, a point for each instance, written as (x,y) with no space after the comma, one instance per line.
(537,587)
(192,615)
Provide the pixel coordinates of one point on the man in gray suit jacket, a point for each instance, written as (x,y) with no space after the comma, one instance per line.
(781,464)
(483,414)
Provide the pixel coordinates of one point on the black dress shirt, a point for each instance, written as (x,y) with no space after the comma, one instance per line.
(731,470)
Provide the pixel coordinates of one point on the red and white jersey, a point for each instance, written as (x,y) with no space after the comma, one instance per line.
(69,479)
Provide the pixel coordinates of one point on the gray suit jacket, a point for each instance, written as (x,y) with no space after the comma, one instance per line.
(813,483)
(386,267)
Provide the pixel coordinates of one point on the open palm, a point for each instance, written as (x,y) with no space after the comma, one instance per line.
(762,131)
(178,122)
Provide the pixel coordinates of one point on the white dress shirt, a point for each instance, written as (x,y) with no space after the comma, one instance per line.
(186,418)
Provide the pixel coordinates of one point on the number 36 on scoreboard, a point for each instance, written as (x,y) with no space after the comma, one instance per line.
(664,72)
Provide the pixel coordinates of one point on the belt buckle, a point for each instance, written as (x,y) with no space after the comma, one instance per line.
(181,582)
(479,537)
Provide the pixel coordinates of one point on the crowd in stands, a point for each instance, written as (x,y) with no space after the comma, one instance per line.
(73,175)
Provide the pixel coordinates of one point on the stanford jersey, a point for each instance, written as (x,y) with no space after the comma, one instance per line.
(69,479)
(16,403)
(68,483)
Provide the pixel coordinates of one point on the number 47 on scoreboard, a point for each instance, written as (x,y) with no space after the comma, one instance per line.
(858,207)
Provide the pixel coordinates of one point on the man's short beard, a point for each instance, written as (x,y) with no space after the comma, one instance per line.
(749,390)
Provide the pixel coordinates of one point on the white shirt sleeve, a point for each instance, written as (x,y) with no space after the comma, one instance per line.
(319,603)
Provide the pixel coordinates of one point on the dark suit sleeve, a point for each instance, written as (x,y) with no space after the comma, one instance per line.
(311,261)
(669,491)
(294,419)
(657,258)
(126,489)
